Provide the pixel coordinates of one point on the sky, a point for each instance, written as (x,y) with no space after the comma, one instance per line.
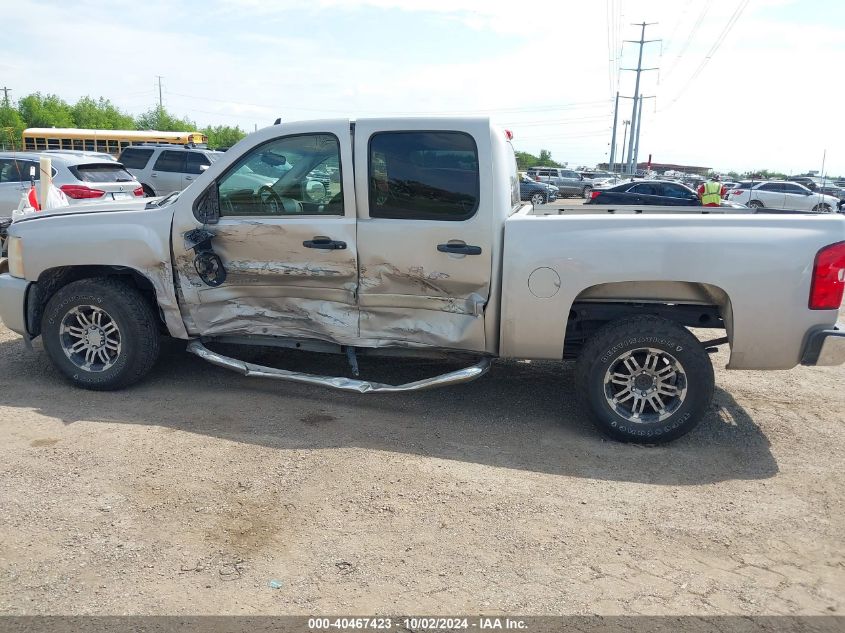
(740,85)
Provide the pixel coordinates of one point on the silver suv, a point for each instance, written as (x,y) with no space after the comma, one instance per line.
(83,177)
(570,182)
(162,169)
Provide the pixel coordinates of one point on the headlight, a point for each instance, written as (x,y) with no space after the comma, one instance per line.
(16,257)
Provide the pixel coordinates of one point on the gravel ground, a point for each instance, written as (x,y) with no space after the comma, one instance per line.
(203,492)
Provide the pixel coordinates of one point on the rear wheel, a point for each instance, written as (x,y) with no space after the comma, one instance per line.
(755,204)
(537,199)
(586,192)
(101,333)
(148,192)
(645,379)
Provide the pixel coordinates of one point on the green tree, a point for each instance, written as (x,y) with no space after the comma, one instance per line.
(39,110)
(545,158)
(524,160)
(100,115)
(223,135)
(160,119)
(11,127)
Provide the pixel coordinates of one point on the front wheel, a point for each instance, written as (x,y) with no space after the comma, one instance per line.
(645,379)
(537,199)
(101,333)
(822,208)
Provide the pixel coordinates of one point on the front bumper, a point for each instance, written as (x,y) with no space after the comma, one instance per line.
(826,347)
(13,302)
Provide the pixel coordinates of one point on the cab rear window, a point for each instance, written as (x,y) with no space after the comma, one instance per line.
(101,173)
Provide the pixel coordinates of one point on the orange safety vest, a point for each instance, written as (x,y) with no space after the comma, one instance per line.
(712,193)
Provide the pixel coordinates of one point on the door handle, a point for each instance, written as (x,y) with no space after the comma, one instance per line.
(188,178)
(153,174)
(326,243)
(459,249)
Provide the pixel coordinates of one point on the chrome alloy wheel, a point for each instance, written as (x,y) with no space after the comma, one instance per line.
(645,385)
(90,338)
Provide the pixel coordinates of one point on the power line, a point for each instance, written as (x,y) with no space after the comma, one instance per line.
(715,47)
(690,37)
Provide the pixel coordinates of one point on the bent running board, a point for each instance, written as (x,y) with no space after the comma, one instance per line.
(344,384)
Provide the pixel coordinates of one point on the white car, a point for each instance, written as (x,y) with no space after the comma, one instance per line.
(82,176)
(778,194)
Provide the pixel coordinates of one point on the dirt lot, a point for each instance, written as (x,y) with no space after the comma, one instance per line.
(200,491)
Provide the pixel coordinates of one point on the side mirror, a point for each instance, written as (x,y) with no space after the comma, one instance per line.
(315,191)
(204,167)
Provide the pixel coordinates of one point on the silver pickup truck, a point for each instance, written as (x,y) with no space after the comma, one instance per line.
(404,237)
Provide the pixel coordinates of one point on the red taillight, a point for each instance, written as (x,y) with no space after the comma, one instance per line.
(509,135)
(80,192)
(735,192)
(139,192)
(828,278)
(594,194)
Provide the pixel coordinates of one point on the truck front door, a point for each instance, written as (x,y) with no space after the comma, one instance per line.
(425,232)
(286,238)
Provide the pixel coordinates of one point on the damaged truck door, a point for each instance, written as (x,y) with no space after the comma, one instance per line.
(285,236)
(425,233)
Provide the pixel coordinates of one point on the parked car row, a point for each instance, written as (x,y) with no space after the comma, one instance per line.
(781,194)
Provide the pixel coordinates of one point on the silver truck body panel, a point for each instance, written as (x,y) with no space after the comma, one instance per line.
(115,234)
(762,266)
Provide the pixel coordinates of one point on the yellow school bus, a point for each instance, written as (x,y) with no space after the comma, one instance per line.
(109,141)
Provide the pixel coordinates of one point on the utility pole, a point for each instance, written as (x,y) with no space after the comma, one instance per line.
(639,127)
(613,137)
(639,69)
(160,106)
(6,92)
(624,136)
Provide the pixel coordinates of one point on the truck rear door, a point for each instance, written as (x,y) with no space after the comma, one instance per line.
(425,234)
(285,236)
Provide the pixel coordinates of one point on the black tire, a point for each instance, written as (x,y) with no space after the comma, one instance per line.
(755,204)
(137,332)
(586,192)
(694,386)
(822,208)
(148,191)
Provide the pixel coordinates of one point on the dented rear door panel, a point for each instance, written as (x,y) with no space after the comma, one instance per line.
(410,293)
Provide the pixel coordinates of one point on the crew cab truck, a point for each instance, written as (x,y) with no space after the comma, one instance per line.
(408,237)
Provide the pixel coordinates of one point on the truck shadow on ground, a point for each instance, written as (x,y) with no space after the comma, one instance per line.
(521,415)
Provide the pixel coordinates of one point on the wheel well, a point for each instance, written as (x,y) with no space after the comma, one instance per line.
(688,304)
(54,279)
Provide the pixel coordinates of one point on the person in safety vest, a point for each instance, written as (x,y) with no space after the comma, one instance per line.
(712,191)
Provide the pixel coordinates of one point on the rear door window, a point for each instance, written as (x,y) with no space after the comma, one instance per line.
(645,189)
(790,188)
(423,176)
(135,158)
(195,163)
(675,191)
(170,161)
(101,172)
